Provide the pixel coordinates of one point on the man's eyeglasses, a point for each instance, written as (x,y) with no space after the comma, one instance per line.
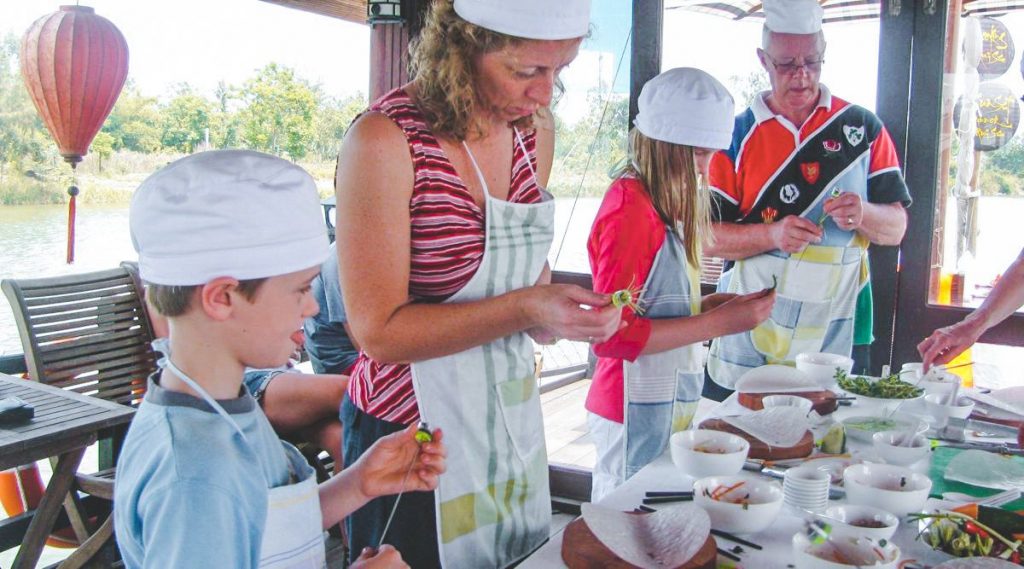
(792,67)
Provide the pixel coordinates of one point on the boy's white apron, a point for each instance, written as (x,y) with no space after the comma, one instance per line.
(293,536)
(493,505)
(662,390)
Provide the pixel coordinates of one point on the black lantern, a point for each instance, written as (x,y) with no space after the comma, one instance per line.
(384,11)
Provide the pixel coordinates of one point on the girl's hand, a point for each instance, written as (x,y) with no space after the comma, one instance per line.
(715,300)
(384,557)
(744,311)
(382,468)
(559,308)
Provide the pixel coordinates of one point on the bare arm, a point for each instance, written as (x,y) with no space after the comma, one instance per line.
(881,224)
(1006,297)
(734,241)
(737,314)
(374,185)
(544,124)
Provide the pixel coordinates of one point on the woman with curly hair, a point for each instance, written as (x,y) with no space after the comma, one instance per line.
(443,229)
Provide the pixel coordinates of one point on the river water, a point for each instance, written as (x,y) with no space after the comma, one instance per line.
(33,241)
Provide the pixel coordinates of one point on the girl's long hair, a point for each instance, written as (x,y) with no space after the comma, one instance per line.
(680,195)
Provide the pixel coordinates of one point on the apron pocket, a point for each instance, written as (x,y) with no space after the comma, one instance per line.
(521,412)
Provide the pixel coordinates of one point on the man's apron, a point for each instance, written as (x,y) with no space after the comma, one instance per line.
(293,536)
(816,294)
(493,504)
(662,390)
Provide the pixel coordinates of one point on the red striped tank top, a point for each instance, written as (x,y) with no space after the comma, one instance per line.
(446,243)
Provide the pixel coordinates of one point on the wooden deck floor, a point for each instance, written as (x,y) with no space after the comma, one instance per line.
(565,426)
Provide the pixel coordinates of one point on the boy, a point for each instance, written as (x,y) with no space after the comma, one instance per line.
(228,244)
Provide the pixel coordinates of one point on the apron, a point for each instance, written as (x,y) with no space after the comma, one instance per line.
(662,390)
(494,505)
(816,294)
(292,534)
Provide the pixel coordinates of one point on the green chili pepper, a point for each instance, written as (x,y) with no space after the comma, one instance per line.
(423,434)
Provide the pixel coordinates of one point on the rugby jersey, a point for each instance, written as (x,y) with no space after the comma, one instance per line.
(446,245)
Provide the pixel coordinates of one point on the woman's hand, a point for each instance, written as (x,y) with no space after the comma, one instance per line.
(743,312)
(383,467)
(573,312)
(712,301)
(384,557)
(947,343)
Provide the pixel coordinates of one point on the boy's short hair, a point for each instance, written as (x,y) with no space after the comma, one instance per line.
(225,213)
(175,300)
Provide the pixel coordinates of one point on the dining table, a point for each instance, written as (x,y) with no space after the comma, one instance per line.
(64,424)
(776,551)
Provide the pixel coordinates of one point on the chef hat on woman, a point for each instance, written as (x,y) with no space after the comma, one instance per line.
(530,19)
(686,106)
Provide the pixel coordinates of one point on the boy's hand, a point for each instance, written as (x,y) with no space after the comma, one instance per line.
(383,557)
(383,467)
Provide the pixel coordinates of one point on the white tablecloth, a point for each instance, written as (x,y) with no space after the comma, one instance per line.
(662,475)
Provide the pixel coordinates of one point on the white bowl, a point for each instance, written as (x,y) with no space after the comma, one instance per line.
(801,403)
(936,406)
(702,452)
(900,447)
(763,503)
(895,489)
(821,366)
(862,428)
(862,552)
(847,520)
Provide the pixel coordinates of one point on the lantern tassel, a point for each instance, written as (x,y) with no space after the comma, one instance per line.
(73,192)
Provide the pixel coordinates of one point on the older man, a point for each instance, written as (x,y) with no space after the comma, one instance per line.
(809,181)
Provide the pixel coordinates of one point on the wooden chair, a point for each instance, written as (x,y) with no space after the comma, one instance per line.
(89,333)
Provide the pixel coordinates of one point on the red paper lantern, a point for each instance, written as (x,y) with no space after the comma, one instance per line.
(74,63)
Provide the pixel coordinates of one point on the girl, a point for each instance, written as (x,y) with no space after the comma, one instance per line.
(646,239)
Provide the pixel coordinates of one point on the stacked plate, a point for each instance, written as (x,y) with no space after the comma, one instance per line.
(806,488)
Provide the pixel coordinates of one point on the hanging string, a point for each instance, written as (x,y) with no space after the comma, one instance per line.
(593,144)
(73,192)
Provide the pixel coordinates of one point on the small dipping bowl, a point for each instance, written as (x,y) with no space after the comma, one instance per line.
(848,520)
(757,502)
(936,405)
(843,553)
(702,452)
(801,403)
(900,447)
(821,366)
(895,489)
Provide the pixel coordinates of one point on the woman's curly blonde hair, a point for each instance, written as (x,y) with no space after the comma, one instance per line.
(442,64)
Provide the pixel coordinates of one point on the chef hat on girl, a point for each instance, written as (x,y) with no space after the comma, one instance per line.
(686,106)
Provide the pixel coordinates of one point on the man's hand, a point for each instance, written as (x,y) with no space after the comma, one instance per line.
(847,210)
(792,233)
(384,557)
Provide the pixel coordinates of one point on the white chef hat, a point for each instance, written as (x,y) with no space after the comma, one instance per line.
(793,16)
(530,19)
(686,106)
(233,213)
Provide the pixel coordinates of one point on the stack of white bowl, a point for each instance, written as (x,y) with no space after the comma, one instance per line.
(806,488)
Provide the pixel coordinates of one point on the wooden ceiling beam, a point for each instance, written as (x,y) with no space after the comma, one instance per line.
(348,10)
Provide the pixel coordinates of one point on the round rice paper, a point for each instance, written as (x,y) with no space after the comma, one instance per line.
(667,538)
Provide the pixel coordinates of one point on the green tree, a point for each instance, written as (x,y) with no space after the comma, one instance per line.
(135,121)
(746,87)
(278,112)
(186,119)
(103,146)
(24,141)
(332,120)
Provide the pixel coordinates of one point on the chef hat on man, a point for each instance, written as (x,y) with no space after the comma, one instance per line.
(686,106)
(793,16)
(530,19)
(233,213)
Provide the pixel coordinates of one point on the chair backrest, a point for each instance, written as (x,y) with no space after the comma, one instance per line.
(88,332)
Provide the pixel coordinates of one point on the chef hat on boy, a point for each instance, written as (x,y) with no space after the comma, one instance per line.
(233,213)
(686,106)
(530,19)
(793,16)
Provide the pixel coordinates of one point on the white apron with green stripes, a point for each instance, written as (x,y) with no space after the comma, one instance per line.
(493,503)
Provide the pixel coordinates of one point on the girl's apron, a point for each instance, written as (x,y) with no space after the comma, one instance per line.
(662,390)
(293,536)
(816,299)
(493,505)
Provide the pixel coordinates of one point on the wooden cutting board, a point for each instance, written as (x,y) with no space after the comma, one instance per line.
(582,550)
(758,448)
(824,401)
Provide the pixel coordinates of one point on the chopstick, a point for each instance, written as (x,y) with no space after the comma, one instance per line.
(733,538)
(728,555)
(668,493)
(645,509)
(669,499)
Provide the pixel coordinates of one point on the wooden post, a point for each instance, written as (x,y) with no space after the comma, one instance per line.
(389,48)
